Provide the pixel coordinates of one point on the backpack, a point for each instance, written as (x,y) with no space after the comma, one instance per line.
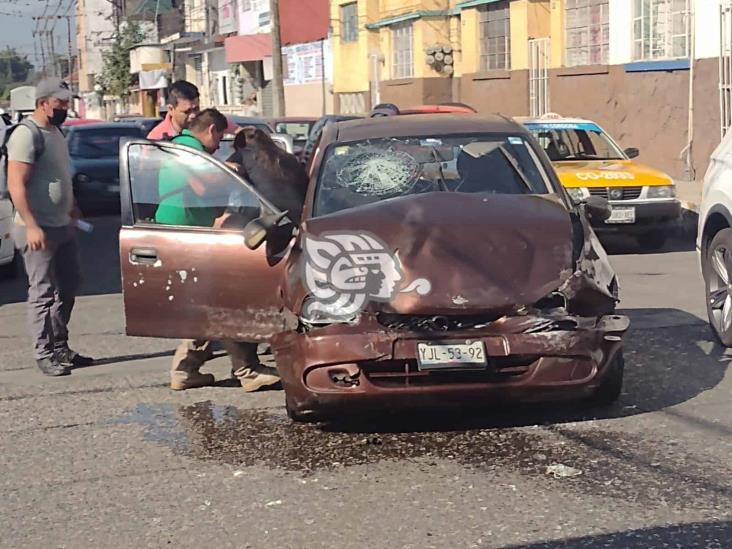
(39,146)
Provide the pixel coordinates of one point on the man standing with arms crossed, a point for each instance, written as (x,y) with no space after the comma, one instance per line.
(42,193)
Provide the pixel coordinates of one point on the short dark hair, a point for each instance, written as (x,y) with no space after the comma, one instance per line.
(182,89)
(208,117)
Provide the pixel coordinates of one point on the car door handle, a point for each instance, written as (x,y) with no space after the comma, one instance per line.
(143,256)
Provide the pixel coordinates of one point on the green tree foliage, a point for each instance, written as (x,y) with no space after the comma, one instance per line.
(115,78)
(14,70)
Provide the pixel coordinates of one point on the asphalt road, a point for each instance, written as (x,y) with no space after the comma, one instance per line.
(110,457)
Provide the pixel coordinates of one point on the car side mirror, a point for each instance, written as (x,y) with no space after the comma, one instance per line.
(632,152)
(597,208)
(257,230)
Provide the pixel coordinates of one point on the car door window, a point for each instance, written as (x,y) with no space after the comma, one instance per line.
(177,186)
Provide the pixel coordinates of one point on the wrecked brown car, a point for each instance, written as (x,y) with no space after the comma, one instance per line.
(438,260)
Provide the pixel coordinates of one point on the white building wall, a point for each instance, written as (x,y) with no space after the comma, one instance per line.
(99,26)
(621,31)
(706,15)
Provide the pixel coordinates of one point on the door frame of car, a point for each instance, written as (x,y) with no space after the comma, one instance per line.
(164,297)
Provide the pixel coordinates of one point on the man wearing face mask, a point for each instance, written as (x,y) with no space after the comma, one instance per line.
(41,190)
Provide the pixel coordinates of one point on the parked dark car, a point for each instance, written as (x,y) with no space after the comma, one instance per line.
(145,123)
(299,127)
(94,151)
(438,261)
(250,121)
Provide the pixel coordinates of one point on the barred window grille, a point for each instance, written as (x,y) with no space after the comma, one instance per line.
(660,29)
(349,22)
(403,61)
(495,36)
(587,31)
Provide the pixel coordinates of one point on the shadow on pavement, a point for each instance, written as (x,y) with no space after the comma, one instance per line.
(695,534)
(99,260)
(623,244)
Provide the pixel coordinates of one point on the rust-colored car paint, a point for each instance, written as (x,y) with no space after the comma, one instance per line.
(342,367)
(493,257)
(199,283)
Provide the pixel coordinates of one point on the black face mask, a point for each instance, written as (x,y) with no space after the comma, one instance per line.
(59,117)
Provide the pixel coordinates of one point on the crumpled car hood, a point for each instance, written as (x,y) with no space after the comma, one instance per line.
(479,253)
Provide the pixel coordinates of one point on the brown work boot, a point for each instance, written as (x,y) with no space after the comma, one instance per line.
(192,380)
(254,378)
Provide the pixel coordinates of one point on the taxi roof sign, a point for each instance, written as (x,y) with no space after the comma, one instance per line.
(551,116)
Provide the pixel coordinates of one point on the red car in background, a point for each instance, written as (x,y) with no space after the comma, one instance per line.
(81,121)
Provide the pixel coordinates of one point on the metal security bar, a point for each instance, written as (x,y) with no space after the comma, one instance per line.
(725,65)
(539,51)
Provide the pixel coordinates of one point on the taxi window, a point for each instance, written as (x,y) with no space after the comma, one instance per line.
(571,142)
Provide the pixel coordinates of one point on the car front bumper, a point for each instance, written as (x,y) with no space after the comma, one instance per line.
(649,215)
(344,368)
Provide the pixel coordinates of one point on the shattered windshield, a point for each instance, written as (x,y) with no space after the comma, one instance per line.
(359,173)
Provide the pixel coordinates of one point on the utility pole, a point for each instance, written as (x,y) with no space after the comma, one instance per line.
(70,68)
(49,44)
(54,60)
(278,89)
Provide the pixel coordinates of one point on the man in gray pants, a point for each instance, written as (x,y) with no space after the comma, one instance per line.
(40,186)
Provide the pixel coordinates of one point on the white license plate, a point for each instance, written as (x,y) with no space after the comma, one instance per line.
(621,214)
(450,355)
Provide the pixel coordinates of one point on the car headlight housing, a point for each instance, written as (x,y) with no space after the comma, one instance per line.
(662,191)
(577,194)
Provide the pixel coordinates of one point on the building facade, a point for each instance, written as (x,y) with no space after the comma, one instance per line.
(627,64)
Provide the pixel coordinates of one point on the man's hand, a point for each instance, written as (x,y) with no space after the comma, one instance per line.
(76,213)
(234,166)
(219,221)
(36,239)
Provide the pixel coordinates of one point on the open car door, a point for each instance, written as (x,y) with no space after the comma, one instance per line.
(183,277)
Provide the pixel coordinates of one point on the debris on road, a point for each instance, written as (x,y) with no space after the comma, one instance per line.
(558,470)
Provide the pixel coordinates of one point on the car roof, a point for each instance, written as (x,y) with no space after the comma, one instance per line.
(104,126)
(294,119)
(424,124)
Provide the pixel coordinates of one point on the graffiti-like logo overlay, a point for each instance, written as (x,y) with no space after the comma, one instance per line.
(344,271)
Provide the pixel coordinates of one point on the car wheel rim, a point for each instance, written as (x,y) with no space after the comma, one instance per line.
(720,291)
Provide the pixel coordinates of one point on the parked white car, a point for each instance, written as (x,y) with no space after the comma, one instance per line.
(714,240)
(8,256)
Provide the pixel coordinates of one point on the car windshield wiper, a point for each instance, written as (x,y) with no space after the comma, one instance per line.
(516,168)
(441,181)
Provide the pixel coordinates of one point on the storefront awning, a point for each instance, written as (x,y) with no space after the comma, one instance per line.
(249,47)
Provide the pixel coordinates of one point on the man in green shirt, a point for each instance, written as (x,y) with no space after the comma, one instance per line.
(183,192)
(182,199)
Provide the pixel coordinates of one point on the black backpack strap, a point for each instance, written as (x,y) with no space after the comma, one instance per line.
(39,142)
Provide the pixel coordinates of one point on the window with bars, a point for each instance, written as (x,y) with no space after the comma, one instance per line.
(402,57)
(587,31)
(349,22)
(660,29)
(495,35)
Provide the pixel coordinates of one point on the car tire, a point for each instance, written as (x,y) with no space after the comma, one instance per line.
(652,241)
(612,384)
(717,269)
(10,271)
